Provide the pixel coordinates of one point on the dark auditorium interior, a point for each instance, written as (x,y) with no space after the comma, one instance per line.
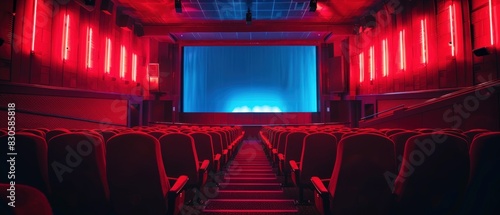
(249,107)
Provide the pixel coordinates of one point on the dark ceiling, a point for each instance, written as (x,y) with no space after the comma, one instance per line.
(205,20)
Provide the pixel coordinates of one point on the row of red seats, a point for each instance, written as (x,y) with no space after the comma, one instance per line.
(390,171)
(119,171)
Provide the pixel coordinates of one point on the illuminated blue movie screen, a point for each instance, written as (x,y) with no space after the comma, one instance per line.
(249,79)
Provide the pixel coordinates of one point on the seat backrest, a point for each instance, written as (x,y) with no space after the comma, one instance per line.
(390,132)
(216,142)
(482,192)
(399,140)
(28,200)
(30,161)
(293,147)
(77,173)
(433,173)
(156,134)
(472,133)
(34,131)
(137,178)
(357,184)
(318,156)
(204,147)
(107,135)
(55,132)
(282,141)
(179,156)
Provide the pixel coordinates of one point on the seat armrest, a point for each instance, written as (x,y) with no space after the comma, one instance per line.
(319,186)
(217,157)
(281,156)
(178,186)
(275,151)
(294,166)
(224,152)
(204,165)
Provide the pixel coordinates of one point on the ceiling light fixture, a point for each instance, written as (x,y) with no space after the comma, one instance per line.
(313,4)
(178,6)
(249,17)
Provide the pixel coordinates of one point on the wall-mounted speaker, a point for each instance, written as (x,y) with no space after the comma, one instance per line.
(125,22)
(138,30)
(107,6)
(481,51)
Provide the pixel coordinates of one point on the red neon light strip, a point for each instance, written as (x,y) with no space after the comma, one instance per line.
(89,47)
(361,67)
(122,68)
(491,22)
(372,63)
(34,26)
(108,56)
(451,9)
(385,58)
(65,36)
(134,67)
(423,34)
(402,51)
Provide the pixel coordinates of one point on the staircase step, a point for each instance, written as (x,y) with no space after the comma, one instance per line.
(250,186)
(251,205)
(250,179)
(250,194)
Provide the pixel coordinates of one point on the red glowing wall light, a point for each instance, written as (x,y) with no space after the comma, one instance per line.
(65,37)
(89,47)
(372,63)
(107,63)
(402,50)
(423,39)
(122,62)
(385,58)
(451,10)
(361,67)
(491,22)
(134,67)
(34,25)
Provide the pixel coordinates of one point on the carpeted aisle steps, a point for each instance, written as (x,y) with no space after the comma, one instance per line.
(250,187)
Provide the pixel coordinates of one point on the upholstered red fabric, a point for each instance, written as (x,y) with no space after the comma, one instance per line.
(318,156)
(77,174)
(293,149)
(30,161)
(433,174)
(28,201)
(204,147)
(483,191)
(137,179)
(35,131)
(399,140)
(179,156)
(55,132)
(472,133)
(357,184)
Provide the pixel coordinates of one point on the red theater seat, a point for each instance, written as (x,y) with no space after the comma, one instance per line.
(157,134)
(55,132)
(137,178)
(180,158)
(433,174)
(30,162)
(218,148)
(358,184)
(472,133)
(483,191)
(317,159)
(107,135)
(205,149)
(77,174)
(34,131)
(399,140)
(28,201)
(293,151)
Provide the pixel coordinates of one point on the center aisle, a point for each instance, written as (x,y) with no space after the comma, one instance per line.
(250,186)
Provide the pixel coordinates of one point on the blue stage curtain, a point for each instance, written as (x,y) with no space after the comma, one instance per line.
(249,79)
